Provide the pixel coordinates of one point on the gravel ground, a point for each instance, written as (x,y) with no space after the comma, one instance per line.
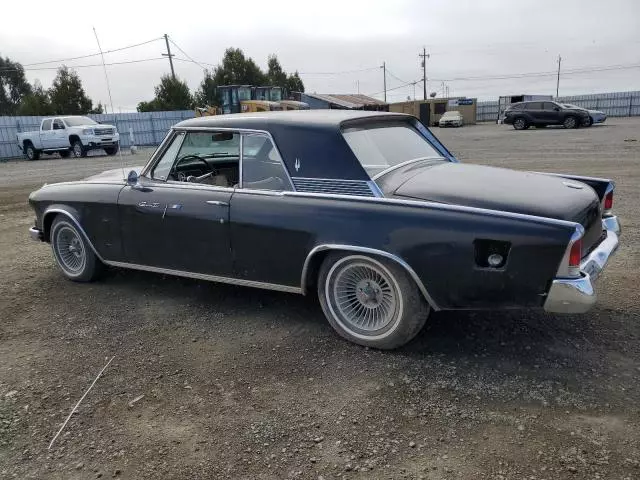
(214,381)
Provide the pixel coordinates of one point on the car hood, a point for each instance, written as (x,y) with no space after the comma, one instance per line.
(496,189)
(115,175)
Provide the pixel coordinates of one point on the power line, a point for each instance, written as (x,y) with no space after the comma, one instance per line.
(93,54)
(186,54)
(84,66)
(344,72)
(395,88)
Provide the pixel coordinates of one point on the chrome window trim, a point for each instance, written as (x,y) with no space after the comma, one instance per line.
(371,251)
(207,277)
(275,146)
(157,155)
(406,162)
(241,160)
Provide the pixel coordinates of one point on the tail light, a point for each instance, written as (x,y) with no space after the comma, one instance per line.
(608,201)
(575,255)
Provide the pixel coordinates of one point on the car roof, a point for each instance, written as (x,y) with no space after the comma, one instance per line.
(264,120)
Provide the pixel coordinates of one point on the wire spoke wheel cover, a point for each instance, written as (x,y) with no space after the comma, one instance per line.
(69,250)
(364,297)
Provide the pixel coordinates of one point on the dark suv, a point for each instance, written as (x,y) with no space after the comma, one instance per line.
(540,114)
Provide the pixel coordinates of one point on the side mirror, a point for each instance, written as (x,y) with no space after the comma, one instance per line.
(557,109)
(132,178)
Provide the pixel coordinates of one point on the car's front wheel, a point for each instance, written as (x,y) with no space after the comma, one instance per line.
(72,252)
(520,123)
(570,122)
(78,149)
(371,301)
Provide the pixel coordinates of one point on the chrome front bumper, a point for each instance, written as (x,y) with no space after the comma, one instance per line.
(36,234)
(577,295)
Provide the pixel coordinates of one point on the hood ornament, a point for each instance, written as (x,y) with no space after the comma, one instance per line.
(577,186)
(297,164)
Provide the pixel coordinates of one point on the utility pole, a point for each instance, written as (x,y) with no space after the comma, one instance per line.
(558,80)
(424,56)
(384,79)
(168,54)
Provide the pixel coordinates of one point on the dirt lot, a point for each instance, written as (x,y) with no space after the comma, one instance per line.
(214,381)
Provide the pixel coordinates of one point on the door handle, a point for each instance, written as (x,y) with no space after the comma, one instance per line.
(217,203)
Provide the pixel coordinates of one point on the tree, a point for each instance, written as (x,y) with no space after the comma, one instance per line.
(13,86)
(207,94)
(36,103)
(67,95)
(171,94)
(275,74)
(294,83)
(98,108)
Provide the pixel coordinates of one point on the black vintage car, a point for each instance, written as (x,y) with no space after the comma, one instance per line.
(541,114)
(367,210)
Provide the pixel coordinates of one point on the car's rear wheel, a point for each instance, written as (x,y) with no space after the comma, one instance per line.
(30,152)
(78,149)
(72,252)
(570,122)
(520,123)
(370,301)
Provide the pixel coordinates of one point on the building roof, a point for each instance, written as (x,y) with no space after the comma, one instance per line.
(348,100)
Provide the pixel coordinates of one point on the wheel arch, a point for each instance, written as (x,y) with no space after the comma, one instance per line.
(71,214)
(73,137)
(317,255)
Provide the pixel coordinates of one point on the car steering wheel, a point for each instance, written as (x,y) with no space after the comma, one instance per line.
(192,178)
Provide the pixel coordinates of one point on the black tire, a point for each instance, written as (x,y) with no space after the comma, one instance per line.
(31,152)
(590,122)
(65,153)
(570,122)
(112,150)
(394,324)
(520,123)
(72,252)
(78,149)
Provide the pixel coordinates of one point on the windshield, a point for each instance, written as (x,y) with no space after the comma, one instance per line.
(382,146)
(79,121)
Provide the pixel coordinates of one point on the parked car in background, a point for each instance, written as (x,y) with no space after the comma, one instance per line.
(367,210)
(452,118)
(69,135)
(596,116)
(539,114)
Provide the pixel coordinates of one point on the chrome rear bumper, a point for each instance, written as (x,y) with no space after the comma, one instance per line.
(577,295)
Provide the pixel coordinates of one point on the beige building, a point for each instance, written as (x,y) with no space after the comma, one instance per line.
(430,111)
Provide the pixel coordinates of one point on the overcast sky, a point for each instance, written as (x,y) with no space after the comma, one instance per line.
(465,38)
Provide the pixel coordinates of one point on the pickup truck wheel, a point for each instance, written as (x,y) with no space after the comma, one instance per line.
(111,150)
(370,301)
(78,149)
(64,153)
(520,123)
(31,153)
(72,252)
(570,122)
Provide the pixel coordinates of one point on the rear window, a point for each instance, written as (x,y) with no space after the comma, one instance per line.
(381,146)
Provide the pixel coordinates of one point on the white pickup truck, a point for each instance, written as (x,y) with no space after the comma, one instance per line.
(69,135)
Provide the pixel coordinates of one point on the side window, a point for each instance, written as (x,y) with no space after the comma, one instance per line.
(516,106)
(46,124)
(533,106)
(262,166)
(57,124)
(550,106)
(163,167)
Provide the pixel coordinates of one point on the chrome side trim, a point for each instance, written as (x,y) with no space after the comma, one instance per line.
(49,211)
(333,186)
(207,277)
(371,251)
(437,206)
